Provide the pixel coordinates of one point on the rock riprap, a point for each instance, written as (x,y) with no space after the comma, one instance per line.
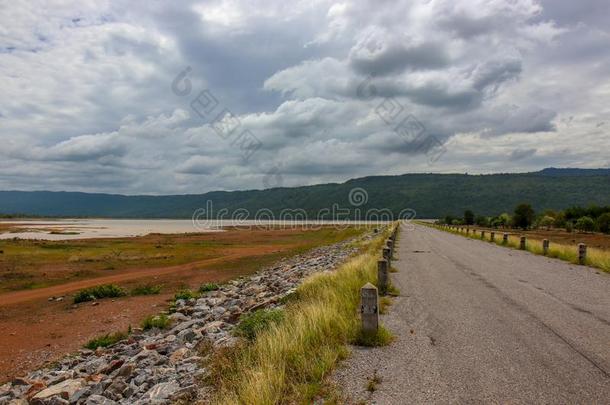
(160,366)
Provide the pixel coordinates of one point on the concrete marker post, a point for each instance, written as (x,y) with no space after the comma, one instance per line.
(505,239)
(382,276)
(492,236)
(522,241)
(369,308)
(582,253)
(482,234)
(545,247)
(386,253)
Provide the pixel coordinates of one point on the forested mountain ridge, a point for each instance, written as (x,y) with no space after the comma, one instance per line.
(430,195)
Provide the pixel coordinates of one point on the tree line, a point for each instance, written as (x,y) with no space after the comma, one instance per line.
(592,219)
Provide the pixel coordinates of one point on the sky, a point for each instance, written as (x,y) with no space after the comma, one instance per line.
(162,97)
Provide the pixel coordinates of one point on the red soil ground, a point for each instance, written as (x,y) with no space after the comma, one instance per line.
(34,331)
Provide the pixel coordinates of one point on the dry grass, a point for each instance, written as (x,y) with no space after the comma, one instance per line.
(595,257)
(288,362)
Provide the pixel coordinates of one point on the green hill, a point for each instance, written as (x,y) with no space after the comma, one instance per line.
(430,195)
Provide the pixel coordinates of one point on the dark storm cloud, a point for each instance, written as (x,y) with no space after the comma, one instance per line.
(379,58)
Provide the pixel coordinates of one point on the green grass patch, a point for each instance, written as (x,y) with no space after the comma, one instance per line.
(106,340)
(384,304)
(100,291)
(156,321)
(147,289)
(207,287)
(251,324)
(288,361)
(186,294)
(382,337)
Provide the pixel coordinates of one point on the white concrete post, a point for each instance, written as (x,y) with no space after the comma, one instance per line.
(522,242)
(382,276)
(386,253)
(545,247)
(369,308)
(582,253)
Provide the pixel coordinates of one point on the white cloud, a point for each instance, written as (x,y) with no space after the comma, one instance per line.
(87,101)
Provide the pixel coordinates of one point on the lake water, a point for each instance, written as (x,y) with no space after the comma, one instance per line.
(67,229)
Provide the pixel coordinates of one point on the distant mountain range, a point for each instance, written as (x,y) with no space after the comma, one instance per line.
(430,195)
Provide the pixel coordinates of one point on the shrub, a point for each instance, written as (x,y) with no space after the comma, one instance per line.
(585,224)
(524,216)
(482,221)
(101,291)
(185,294)
(603,223)
(208,287)
(255,322)
(146,290)
(156,321)
(468,217)
(546,221)
(106,340)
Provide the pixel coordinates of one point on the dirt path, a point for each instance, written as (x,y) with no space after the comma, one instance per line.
(479,323)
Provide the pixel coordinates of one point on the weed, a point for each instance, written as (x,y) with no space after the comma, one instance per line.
(382,337)
(373,382)
(100,291)
(147,289)
(384,303)
(156,321)
(255,322)
(208,287)
(185,294)
(393,290)
(106,340)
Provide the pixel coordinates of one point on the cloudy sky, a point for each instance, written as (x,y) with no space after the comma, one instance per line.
(159,97)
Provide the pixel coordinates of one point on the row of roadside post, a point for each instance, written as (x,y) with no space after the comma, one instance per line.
(582,247)
(369,294)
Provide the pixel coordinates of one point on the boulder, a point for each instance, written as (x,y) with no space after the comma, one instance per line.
(162,390)
(64,389)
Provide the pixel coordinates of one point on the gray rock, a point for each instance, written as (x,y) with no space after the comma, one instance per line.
(162,390)
(99,400)
(64,389)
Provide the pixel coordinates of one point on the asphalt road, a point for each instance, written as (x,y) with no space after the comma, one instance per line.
(480,323)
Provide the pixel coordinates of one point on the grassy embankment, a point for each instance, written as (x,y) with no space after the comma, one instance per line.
(300,242)
(595,257)
(287,362)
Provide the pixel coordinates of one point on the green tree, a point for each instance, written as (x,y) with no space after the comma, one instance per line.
(585,224)
(546,221)
(504,219)
(468,217)
(448,219)
(603,223)
(482,221)
(524,216)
